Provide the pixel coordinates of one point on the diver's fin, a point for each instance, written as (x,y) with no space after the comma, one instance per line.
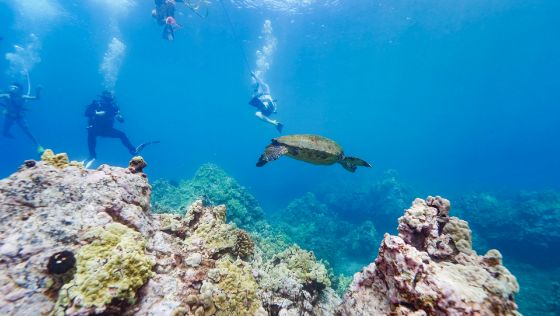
(168,32)
(272,152)
(351,163)
(89,163)
(143,145)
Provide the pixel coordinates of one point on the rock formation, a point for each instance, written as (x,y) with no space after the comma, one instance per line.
(431,269)
(82,242)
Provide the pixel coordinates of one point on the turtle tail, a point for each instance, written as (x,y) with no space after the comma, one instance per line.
(351,163)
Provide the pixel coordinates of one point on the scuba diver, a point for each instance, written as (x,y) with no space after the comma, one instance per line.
(101,114)
(14,104)
(264,103)
(164,13)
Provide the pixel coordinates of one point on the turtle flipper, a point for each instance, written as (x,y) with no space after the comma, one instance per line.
(272,152)
(351,163)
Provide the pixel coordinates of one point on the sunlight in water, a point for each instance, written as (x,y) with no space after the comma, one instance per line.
(293,6)
(36,11)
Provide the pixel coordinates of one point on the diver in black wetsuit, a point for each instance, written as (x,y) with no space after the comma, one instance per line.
(164,13)
(14,104)
(101,114)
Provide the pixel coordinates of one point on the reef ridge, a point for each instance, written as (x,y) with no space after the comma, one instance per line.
(75,241)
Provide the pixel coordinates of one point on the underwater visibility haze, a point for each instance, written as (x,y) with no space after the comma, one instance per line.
(453,98)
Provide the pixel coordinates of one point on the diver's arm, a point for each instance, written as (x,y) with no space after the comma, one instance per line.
(90,110)
(261,86)
(37,95)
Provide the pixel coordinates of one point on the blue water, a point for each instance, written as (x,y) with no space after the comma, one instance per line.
(456,96)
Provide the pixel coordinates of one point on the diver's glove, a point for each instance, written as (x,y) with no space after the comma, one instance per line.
(119,118)
(99,113)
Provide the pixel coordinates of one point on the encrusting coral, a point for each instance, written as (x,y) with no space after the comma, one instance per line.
(234,290)
(58,160)
(295,283)
(112,267)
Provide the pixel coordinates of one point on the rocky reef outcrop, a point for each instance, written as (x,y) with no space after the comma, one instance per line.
(431,269)
(83,242)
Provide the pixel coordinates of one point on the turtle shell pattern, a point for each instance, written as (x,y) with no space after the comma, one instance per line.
(311,148)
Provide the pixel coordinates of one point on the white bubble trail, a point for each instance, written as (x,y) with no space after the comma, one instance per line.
(112,62)
(266,52)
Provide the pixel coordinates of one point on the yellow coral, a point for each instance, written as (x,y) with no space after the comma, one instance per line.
(112,266)
(58,160)
(236,289)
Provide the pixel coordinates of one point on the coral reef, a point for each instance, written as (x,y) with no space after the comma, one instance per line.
(524,225)
(313,225)
(294,283)
(423,272)
(381,202)
(540,289)
(213,185)
(198,269)
(131,262)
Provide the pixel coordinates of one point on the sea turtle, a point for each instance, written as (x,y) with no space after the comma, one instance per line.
(314,149)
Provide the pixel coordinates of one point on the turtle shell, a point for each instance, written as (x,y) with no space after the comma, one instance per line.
(311,148)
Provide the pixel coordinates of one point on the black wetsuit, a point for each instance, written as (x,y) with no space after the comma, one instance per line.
(14,114)
(165,9)
(102,125)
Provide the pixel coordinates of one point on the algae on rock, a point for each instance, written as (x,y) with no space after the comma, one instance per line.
(112,267)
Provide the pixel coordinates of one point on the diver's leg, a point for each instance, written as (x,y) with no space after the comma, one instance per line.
(266,119)
(25,128)
(168,32)
(92,142)
(8,123)
(115,133)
